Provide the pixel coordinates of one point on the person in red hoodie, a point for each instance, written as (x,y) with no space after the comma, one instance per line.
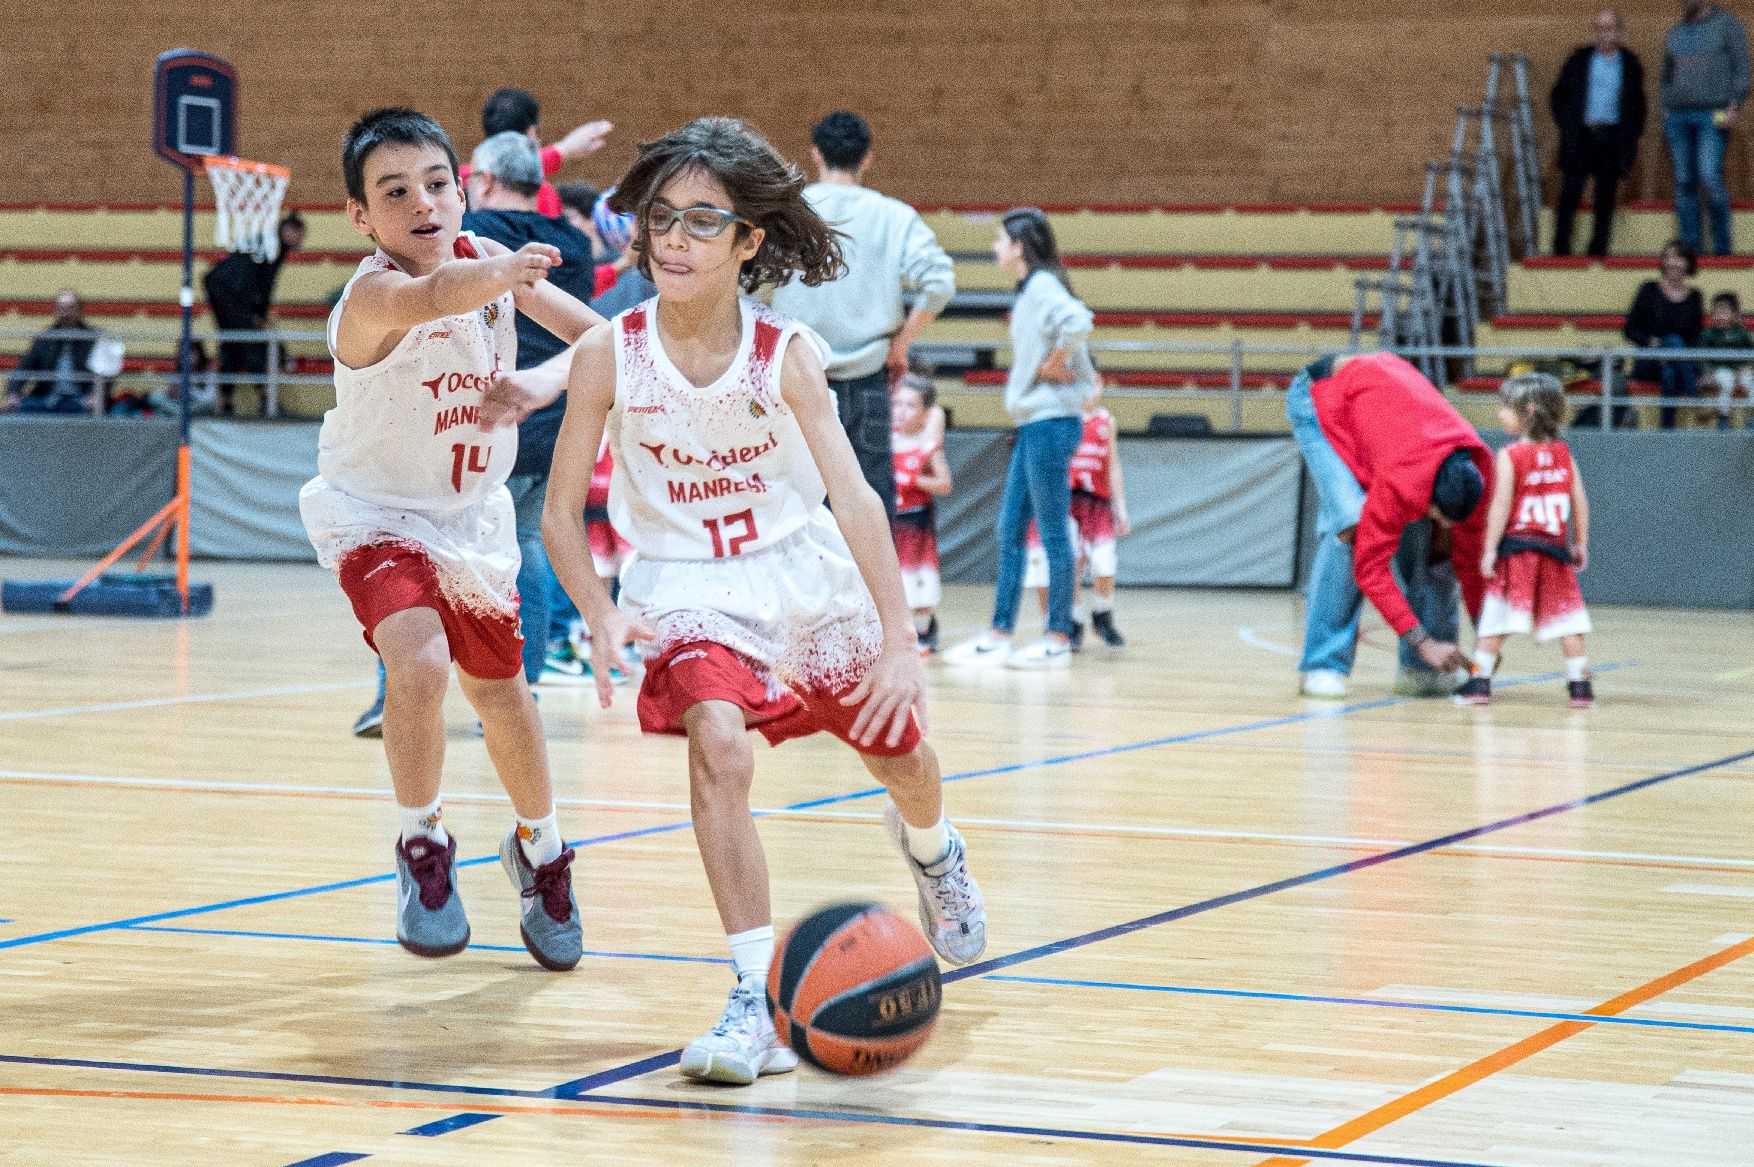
(1399,476)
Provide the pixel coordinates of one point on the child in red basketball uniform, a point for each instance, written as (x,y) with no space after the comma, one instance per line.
(762,610)
(1098,520)
(1531,560)
(409,507)
(921,475)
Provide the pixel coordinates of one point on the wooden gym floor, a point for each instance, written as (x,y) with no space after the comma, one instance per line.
(1228,926)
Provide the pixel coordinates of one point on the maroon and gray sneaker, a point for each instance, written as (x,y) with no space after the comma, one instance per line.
(429,912)
(550,923)
(1582,693)
(1476,690)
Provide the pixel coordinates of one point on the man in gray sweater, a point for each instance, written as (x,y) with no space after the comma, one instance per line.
(889,251)
(1704,83)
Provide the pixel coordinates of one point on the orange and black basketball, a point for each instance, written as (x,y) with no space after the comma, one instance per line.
(854,989)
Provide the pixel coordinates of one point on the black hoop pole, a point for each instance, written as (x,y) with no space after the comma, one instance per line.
(187,298)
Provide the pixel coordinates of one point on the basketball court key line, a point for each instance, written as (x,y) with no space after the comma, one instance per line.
(666,828)
(1373,1002)
(240,932)
(982,968)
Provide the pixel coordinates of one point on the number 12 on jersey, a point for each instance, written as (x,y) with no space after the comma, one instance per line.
(719,529)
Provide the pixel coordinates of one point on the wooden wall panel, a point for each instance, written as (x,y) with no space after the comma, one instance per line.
(1108,100)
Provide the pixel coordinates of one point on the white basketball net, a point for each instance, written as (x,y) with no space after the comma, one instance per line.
(247,197)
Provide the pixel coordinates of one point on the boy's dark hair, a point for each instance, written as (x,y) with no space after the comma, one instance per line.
(1030,228)
(580,196)
(1730,298)
(383,127)
(765,190)
(844,139)
(1457,489)
(1690,255)
(922,385)
(509,109)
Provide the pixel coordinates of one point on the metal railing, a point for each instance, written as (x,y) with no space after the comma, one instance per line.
(1237,354)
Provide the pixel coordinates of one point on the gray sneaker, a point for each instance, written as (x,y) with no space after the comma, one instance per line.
(429,912)
(952,913)
(550,924)
(741,1047)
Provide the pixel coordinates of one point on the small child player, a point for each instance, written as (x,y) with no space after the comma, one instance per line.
(921,475)
(1531,559)
(1099,518)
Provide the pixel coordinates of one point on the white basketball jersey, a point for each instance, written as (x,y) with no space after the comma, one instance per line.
(707,472)
(404,432)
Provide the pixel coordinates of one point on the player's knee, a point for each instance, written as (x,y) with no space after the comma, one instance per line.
(911,772)
(721,760)
(419,674)
(504,697)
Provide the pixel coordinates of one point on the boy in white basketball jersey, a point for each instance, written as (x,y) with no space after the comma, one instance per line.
(410,509)
(765,613)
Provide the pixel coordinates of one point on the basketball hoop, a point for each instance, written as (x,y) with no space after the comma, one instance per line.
(247,196)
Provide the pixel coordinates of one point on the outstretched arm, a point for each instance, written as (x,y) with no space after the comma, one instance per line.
(561,313)
(384,305)
(897,682)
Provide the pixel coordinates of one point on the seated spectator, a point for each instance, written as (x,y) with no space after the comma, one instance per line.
(1669,312)
(203,386)
(59,358)
(1728,331)
(578,203)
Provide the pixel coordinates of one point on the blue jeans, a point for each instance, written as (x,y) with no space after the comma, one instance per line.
(1696,146)
(1334,603)
(1678,378)
(1038,485)
(528,493)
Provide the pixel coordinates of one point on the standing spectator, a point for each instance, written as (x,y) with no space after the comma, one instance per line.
(1668,312)
(1599,107)
(1728,331)
(516,111)
(1051,378)
(240,291)
(1704,83)
(1398,476)
(889,251)
(58,356)
(616,259)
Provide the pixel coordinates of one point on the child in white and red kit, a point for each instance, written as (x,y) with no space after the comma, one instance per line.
(1537,539)
(921,475)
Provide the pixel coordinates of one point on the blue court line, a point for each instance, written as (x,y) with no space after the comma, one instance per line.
(456,1122)
(1240,1145)
(1377,1002)
(332,1159)
(660,1061)
(667,828)
(387,940)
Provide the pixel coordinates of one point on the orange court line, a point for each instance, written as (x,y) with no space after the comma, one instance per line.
(1349,1132)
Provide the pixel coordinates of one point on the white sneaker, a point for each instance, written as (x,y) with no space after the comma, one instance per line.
(1046,653)
(742,1046)
(1323,683)
(984,651)
(952,913)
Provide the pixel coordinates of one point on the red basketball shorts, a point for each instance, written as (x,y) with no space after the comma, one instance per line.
(381,579)
(700,670)
(1532,592)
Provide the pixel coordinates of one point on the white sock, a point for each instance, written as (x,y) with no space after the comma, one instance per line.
(424,822)
(922,623)
(751,954)
(540,839)
(1100,602)
(1577,668)
(1485,663)
(927,845)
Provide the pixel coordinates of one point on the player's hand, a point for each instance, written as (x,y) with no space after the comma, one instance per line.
(586,139)
(1580,555)
(1441,655)
(1488,564)
(509,399)
(895,687)
(528,266)
(1123,525)
(612,632)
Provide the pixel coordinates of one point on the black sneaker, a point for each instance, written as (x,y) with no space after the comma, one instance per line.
(1104,623)
(1077,640)
(929,642)
(1477,691)
(1582,693)
(371,722)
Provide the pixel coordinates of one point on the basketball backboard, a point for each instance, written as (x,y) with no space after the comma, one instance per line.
(194,107)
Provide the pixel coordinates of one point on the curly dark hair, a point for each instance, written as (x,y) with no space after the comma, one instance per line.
(765,190)
(844,139)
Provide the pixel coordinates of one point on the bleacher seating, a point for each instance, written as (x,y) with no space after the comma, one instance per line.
(1272,274)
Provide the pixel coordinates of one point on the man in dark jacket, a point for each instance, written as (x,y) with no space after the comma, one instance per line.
(52,376)
(240,292)
(1599,106)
